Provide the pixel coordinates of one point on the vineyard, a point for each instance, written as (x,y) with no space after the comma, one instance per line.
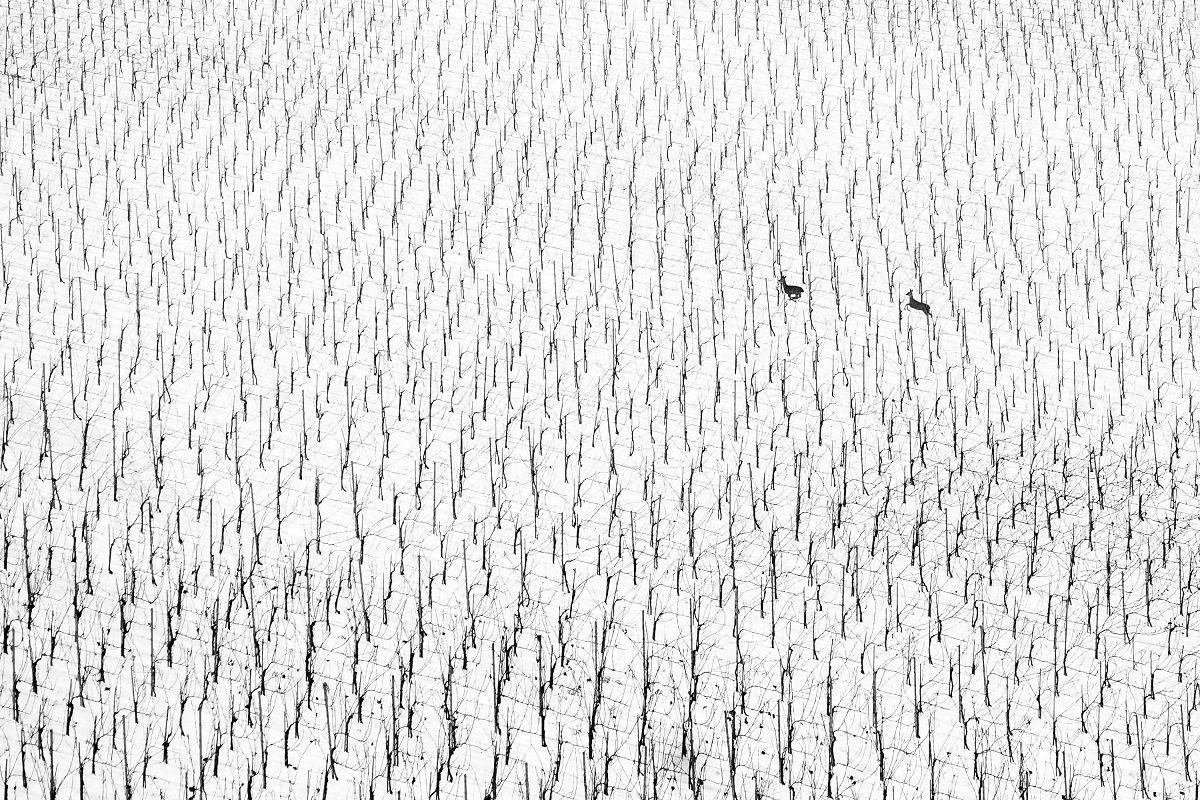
(657,399)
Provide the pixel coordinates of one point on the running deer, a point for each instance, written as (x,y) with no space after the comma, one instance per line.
(918,305)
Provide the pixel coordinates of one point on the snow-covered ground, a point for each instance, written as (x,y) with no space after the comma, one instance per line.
(398,400)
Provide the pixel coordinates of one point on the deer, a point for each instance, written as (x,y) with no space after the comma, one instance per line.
(918,305)
(792,291)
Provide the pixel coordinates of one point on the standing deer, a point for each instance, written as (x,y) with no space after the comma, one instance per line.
(792,291)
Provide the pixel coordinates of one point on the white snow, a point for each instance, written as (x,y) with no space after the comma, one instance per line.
(398,400)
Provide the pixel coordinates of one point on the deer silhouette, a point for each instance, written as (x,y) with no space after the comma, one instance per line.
(792,291)
(918,305)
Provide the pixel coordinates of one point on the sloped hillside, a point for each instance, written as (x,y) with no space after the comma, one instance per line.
(398,399)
